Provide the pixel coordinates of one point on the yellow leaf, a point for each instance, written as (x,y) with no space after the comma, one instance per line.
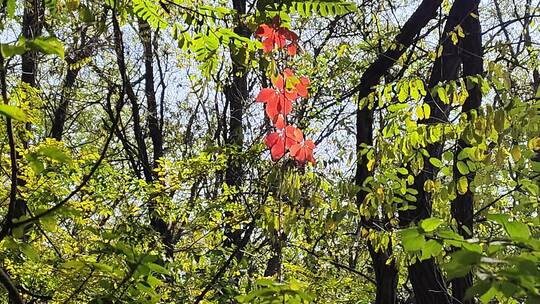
(516,153)
(419,112)
(371,164)
(534,144)
(427,111)
(462,185)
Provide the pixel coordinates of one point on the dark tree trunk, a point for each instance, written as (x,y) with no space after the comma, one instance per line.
(386,275)
(164,229)
(426,278)
(34,11)
(60,114)
(158,224)
(462,206)
(236,94)
(32,25)
(150,92)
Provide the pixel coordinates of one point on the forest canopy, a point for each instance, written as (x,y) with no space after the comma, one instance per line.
(325,151)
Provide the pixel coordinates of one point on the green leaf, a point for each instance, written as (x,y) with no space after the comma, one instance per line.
(13,112)
(420,86)
(396,107)
(9,50)
(478,288)
(462,168)
(10,8)
(402,171)
(30,252)
(517,230)
(411,239)
(461,262)
(403,92)
(441,92)
(462,185)
(54,153)
(151,12)
(153,281)
(158,268)
(436,162)
(430,249)
(102,267)
(499,120)
(488,295)
(35,163)
(427,111)
(47,45)
(430,224)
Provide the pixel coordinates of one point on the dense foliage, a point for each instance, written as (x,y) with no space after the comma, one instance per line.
(158,151)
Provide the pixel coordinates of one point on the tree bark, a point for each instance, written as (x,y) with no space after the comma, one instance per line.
(164,229)
(462,205)
(386,275)
(156,135)
(426,278)
(236,94)
(33,18)
(60,114)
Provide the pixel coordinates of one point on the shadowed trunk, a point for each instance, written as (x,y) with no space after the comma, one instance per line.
(165,230)
(34,11)
(33,16)
(386,275)
(60,114)
(426,278)
(462,205)
(236,94)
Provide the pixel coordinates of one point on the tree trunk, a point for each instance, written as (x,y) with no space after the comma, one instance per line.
(462,205)
(236,94)
(157,222)
(426,278)
(33,16)
(60,114)
(386,275)
(164,229)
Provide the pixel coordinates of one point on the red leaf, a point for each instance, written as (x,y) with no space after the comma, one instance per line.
(266,94)
(279,121)
(271,139)
(276,142)
(304,80)
(293,136)
(288,73)
(268,45)
(277,36)
(284,105)
(264,31)
(303,151)
(288,34)
(272,108)
(291,94)
(292,49)
(278,82)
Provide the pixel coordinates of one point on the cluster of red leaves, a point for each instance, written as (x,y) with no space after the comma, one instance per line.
(293,139)
(286,89)
(276,36)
